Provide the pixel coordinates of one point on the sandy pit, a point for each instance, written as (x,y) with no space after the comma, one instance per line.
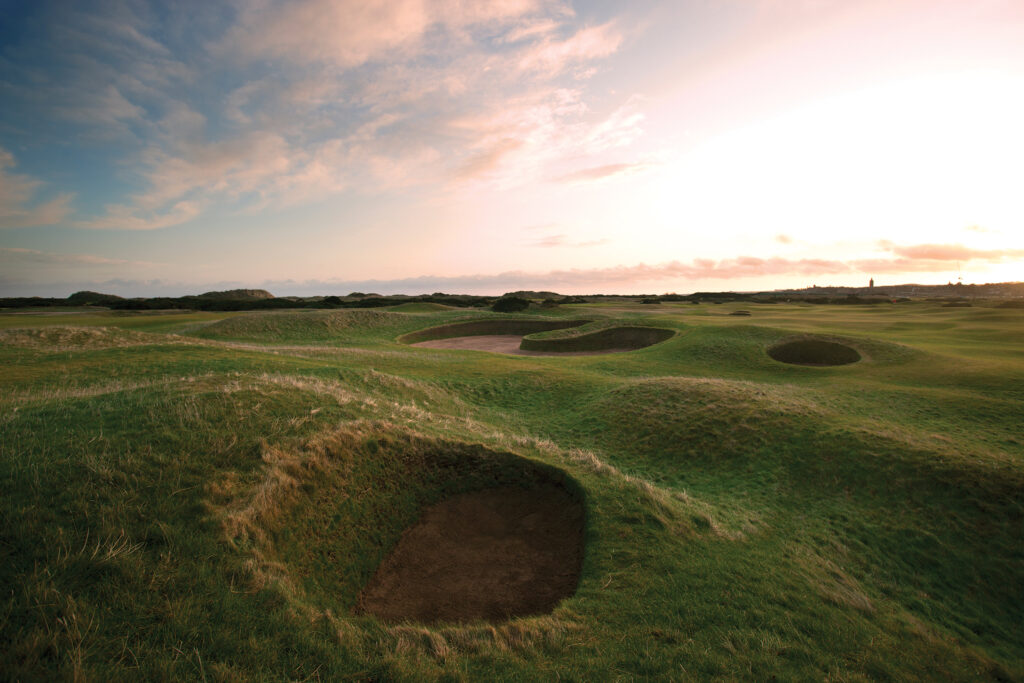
(503,343)
(487,555)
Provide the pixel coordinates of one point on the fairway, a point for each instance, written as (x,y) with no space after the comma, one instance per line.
(807,492)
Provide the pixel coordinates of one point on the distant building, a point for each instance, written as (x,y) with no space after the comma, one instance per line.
(871,283)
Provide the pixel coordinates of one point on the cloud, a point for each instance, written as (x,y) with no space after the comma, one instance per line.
(783,239)
(488,159)
(321,97)
(618,278)
(953,252)
(637,277)
(552,56)
(930,258)
(344,33)
(350,33)
(93,68)
(561,241)
(121,217)
(183,181)
(105,107)
(11,256)
(534,29)
(605,172)
(551,126)
(17,209)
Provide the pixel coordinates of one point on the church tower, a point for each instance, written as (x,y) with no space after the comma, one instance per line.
(871,283)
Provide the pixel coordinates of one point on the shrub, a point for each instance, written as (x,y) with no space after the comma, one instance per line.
(510,304)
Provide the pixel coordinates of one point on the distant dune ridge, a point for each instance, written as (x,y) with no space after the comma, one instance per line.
(238,294)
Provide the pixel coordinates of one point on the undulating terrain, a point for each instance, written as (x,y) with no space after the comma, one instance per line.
(206,496)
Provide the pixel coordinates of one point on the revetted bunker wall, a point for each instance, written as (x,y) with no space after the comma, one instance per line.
(611,338)
(484,327)
(809,351)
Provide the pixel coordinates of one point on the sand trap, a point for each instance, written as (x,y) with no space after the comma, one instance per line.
(816,352)
(517,337)
(488,555)
(502,343)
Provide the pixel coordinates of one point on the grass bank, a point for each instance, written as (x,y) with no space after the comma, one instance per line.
(203,496)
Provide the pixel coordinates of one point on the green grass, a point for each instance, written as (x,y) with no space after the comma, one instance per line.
(202,495)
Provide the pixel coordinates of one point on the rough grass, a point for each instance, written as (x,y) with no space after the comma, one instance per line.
(422,307)
(181,508)
(304,326)
(77,338)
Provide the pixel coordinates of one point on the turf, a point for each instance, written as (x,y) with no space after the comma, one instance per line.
(203,496)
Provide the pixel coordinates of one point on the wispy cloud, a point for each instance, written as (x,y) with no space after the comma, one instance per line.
(531,29)
(605,172)
(18,207)
(953,252)
(553,56)
(637,277)
(550,125)
(120,217)
(488,159)
(325,97)
(12,256)
(563,241)
(182,181)
(932,258)
(94,69)
(348,34)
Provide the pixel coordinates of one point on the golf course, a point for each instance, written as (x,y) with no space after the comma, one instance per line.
(578,492)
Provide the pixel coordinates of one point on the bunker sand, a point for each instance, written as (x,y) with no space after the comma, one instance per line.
(503,343)
(487,555)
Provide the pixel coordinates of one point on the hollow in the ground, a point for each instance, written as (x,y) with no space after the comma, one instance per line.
(818,352)
(486,555)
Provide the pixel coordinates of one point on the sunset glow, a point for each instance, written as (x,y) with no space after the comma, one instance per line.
(478,147)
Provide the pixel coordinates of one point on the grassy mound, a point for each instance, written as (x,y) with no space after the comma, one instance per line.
(321,522)
(421,307)
(76,338)
(809,351)
(215,511)
(504,326)
(302,326)
(625,338)
(666,426)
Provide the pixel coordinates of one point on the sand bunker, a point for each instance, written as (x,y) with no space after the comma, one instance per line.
(487,555)
(503,343)
(817,352)
(513,337)
(608,340)
(489,327)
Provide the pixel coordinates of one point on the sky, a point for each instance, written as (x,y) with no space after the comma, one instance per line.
(484,146)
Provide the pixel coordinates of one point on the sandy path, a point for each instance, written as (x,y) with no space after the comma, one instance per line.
(502,343)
